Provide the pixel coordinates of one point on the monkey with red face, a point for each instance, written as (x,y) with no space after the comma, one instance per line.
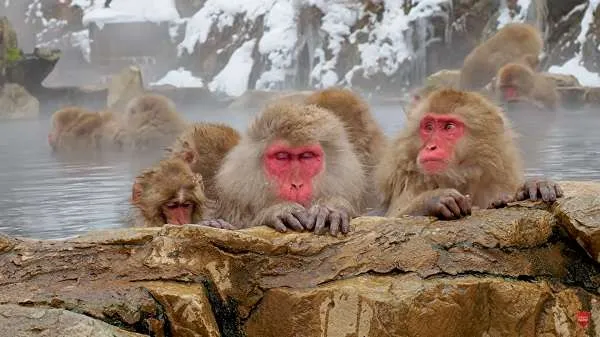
(295,168)
(456,151)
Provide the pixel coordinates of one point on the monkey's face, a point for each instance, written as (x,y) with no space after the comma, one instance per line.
(439,135)
(292,170)
(514,81)
(179,210)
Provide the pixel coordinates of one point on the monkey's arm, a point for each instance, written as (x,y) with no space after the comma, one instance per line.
(443,203)
(282,216)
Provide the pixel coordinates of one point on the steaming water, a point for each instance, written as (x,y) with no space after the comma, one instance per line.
(42,196)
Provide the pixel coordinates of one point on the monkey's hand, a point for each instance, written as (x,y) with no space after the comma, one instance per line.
(502,201)
(445,204)
(283,216)
(544,189)
(334,213)
(217,223)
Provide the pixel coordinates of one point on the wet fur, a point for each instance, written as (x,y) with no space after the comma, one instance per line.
(244,192)
(490,161)
(531,85)
(77,129)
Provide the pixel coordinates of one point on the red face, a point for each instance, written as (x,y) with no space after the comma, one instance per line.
(439,134)
(510,93)
(51,139)
(293,169)
(178,213)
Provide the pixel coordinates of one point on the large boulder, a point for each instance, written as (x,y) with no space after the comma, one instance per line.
(123,87)
(518,271)
(17,103)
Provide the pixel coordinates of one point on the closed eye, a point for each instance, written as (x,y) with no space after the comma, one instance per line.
(282,156)
(307,155)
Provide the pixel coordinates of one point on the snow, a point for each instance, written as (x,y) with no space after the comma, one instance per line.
(233,79)
(504,17)
(180,78)
(127,11)
(575,65)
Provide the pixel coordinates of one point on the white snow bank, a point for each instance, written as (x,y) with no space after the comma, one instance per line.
(504,17)
(233,79)
(180,78)
(127,11)
(575,65)
(221,12)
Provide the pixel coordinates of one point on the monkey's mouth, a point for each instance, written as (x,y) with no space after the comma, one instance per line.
(433,166)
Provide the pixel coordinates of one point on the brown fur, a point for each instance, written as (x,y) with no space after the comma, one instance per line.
(171,179)
(246,198)
(365,134)
(490,164)
(511,43)
(77,129)
(204,146)
(151,122)
(531,86)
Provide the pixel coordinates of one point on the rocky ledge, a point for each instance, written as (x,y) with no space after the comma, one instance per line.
(526,270)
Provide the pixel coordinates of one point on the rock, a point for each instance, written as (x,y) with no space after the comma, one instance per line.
(9,49)
(123,87)
(31,70)
(562,80)
(188,8)
(592,96)
(18,321)
(502,272)
(187,308)
(572,97)
(444,78)
(406,305)
(17,103)
(579,213)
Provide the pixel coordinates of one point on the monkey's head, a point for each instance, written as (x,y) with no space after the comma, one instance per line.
(457,131)
(294,153)
(514,81)
(149,108)
(169,193)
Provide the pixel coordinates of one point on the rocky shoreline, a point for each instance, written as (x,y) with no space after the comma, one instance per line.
(526,270)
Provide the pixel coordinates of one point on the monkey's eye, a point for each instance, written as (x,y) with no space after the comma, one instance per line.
(185,205)
(307,155)
(428,126)
(172,205)
(449,126)
(282,156)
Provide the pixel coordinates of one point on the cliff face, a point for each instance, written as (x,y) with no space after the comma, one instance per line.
(281,44)
(527,270)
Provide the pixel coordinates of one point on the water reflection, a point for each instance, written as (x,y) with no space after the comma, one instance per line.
(42,196)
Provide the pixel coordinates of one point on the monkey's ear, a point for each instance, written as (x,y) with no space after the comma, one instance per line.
(197,179)
(136,192)
(188,156)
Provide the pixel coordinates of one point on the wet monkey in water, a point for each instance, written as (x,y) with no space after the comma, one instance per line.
(456,151)
(294,168)
(512,43)
(77,129)
(518,82)
(168,193)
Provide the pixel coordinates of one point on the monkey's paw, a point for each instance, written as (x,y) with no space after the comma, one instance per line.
(217,223)
(449,204)
(502,201)
(291,215)
(535,189)
(321,216)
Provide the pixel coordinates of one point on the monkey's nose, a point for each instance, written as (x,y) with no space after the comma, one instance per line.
(431,147)
(297,186)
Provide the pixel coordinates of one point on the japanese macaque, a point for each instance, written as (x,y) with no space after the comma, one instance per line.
(77,129)
(293,169)
(168,193)
(456,151)
(204,146)
(513,42)
(518,82)
(151,122)
(365,134)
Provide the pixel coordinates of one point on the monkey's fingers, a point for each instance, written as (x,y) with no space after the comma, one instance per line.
(335,222)
(224,224)
(290,221)
(558,190)
(440,211)
(278,225)
(546,192)
(320,219)
(345,222)
(304,218)
(464,203)
(452,205)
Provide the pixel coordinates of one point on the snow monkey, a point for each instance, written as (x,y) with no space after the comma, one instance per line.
(518,82)
(365,134)
(294,168)
(513,42)
(204,146)
(168,193)
(457,151)
(77,129)
(151,121)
